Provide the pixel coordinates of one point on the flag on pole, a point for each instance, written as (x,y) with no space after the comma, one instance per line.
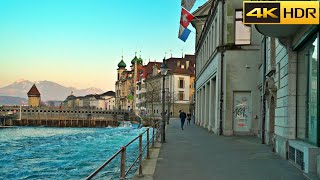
(183,33)
(187,4)
(185,18)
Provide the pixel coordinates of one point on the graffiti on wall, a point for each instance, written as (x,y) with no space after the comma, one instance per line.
(241,111)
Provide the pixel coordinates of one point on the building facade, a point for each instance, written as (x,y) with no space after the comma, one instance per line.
(178,87)
(291,91)
(227,68)
(261,80)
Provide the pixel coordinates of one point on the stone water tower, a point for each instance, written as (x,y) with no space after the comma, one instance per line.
(34,97)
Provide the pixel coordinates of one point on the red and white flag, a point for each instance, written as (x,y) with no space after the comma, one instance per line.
(187,4)
(185,18)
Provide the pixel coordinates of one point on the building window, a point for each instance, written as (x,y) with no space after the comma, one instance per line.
(181,95)
(181,83)
(308,101)
(182,66)
(242,32)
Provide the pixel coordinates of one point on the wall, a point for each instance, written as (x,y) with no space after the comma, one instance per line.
(34,101)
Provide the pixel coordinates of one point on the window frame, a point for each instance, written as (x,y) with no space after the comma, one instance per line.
(235,27)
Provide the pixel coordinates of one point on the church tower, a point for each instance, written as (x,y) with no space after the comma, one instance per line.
(121,67)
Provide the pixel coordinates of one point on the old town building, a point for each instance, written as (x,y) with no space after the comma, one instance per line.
(290,75)
(261,80)
(227,68)
(178,86)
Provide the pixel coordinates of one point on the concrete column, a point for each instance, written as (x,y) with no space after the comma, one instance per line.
(202,106)
(197,107)
(205,106)
(210,106)
(214,105)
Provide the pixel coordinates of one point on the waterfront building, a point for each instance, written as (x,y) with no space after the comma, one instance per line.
(227,70)
(124,86)
(92,101)
(178,86)
(34,97)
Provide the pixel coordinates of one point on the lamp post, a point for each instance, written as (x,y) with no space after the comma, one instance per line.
(164,71)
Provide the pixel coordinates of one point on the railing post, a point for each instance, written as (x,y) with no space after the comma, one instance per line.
(153,135)
(148,143)
(123,163)
(140,155)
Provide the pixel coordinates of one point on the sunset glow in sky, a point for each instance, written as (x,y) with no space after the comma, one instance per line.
(80,42)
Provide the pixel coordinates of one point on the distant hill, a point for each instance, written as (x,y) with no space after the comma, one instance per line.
(49,90)
(8,100)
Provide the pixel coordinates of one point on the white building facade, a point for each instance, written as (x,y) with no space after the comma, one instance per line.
(227,70)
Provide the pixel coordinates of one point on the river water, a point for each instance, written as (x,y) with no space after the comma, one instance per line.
(63,153)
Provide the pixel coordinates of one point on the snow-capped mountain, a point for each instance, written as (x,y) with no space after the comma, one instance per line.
(49,90)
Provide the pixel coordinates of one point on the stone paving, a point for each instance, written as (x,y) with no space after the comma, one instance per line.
(196,154)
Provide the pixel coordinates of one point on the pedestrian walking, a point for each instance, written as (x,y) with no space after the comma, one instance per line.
(182,117)
(188,118)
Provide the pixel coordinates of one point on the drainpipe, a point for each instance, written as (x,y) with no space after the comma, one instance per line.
(221,76)
(263,128)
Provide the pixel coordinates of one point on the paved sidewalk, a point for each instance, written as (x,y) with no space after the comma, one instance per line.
(196,154)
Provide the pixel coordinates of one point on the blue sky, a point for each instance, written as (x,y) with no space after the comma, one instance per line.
(80,42)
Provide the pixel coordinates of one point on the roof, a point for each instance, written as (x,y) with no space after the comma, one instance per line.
(134,60)
(149,67)
(172,64)
(122,64)
(108,93)
(203,10)
(71,97)
(183,71)
(34,91)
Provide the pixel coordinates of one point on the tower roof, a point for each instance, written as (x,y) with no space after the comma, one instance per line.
(122,64)
(140,61)
(34,91)
(134,60)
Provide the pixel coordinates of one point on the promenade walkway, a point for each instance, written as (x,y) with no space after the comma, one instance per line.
(196,154)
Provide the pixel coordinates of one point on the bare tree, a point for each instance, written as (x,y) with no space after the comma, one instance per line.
(171,98)
(153,90)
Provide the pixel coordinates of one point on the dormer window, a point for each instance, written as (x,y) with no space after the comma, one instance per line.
(182,66)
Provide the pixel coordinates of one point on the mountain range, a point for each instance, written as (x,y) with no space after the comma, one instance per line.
(49,90)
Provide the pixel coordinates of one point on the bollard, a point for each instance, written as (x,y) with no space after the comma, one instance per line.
(140,155)
(148,143)
(123,163)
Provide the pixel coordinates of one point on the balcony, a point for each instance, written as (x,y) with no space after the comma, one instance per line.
(278,30)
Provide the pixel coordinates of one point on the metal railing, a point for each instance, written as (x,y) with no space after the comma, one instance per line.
(122,152)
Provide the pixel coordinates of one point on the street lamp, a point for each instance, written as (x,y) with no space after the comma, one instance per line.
(164,70)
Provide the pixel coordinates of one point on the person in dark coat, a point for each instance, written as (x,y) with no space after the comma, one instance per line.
(183,117)
(188,118)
